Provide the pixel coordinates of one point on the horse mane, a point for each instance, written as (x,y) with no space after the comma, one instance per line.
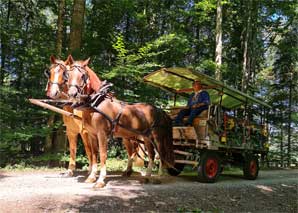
(95,82)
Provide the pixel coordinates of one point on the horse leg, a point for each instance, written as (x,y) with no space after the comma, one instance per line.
(92,152)
(102,142)
(72,140)
(87,146)
(160,168)
(131,152)
(151,155)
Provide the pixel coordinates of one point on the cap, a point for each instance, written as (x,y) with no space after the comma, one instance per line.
(196,81)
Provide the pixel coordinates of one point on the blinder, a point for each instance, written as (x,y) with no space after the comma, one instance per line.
(46,72)
(65,75)
(85,78)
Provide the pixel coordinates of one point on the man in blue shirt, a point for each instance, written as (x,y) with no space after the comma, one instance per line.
(197,103)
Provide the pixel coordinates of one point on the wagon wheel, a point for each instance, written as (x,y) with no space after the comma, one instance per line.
(209,167)
(251,167)
(178,167)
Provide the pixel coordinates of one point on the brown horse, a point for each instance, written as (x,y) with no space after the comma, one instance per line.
(139,121)
(57,89)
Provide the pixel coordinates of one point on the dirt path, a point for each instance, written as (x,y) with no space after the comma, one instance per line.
(39,191)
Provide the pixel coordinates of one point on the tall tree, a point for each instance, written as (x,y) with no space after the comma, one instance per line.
(218,40)
(77,25)
(4,39)
(61,11)
(53,118)
(245,43)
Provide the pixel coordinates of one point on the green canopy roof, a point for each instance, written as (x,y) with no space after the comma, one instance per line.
(173,79)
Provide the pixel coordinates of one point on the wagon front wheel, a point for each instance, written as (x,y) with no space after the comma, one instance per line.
(176,170)
(178,167)
(251,167)
(209,167)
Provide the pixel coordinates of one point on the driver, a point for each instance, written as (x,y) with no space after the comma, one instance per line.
(197,103)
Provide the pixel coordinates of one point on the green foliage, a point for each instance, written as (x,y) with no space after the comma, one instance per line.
(120,47)
(128,39)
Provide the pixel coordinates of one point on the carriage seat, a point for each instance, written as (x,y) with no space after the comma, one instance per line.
(202,116)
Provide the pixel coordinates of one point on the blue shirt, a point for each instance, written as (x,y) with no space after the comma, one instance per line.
(202,97)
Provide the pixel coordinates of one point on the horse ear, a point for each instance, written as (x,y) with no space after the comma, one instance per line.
(53,59)
(86,62)
(69,60)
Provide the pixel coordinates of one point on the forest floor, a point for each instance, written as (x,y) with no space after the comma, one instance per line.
(46,191)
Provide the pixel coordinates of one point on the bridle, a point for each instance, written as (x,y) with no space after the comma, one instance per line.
(85,78)
(47,74)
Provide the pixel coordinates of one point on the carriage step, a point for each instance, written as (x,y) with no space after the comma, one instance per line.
(183,153)
(195,163)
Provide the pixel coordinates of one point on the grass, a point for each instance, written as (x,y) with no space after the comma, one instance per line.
(113,164)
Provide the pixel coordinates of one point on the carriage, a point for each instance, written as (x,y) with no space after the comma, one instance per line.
(227,133)
(230,132)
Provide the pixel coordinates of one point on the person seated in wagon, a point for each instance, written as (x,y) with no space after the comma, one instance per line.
(198,101)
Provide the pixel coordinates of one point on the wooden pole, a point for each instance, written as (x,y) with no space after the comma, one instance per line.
(53,108)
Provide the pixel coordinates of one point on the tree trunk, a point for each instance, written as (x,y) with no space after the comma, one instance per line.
(4,42)
(281,145)
(246,55)
(289,121)
(77,24)
(218,50)
(50,139)
(21,72)
(253,51)
(60,28)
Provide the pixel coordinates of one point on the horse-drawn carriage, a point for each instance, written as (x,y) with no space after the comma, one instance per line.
(220,135)
(228,133)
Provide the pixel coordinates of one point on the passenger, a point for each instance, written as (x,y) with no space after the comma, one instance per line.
(197,103)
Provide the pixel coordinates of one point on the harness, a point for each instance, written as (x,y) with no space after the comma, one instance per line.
(103,94)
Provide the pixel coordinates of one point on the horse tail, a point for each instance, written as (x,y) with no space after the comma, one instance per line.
(163,135)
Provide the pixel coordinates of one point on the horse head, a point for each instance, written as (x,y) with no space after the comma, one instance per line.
(57,77)
(82,80)
(78,79)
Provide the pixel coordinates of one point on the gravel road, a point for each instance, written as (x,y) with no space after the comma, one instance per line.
(46,191)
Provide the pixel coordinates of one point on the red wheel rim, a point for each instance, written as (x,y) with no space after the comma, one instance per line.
(253,167)
(211,167)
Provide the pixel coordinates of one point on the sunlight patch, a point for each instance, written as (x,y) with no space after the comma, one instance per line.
(265,188)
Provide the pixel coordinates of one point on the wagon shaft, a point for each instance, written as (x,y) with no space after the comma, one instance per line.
(41,103)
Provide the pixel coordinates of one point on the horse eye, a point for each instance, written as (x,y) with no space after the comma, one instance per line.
(47,73)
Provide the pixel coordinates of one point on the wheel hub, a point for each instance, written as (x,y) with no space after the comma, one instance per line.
(211,168)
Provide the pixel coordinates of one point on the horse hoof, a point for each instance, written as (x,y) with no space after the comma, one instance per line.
(145,180)
(156,181)
(66,174)
(90,180)
(127,173)
(99,185)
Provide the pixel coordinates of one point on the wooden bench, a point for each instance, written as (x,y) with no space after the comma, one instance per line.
(192,135)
